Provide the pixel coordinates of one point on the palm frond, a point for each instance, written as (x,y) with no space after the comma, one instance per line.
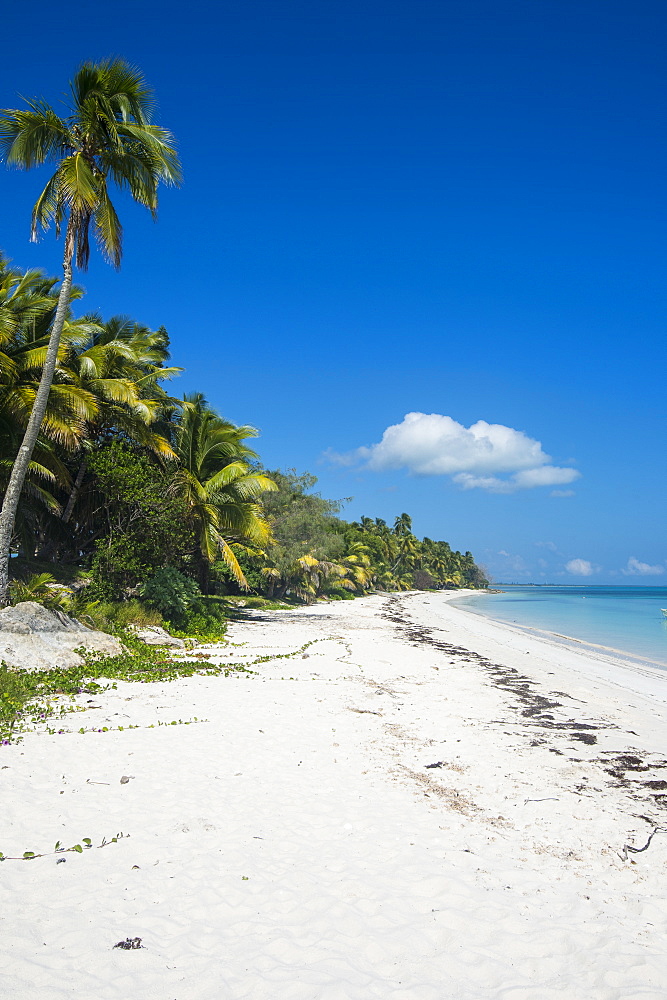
(49,207)
(232,563)
(108,229)
(30,138)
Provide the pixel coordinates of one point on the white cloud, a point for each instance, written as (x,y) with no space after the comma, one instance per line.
(431,444)
(547,545)
(513,562)
(562,493)
(341,458)
(580,567)
(637,568)
(545,475)
(491,483)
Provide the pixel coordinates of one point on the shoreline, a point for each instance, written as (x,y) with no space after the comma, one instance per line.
(634,659)
(422,804)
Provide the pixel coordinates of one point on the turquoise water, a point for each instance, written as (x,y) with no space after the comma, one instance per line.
(628,619)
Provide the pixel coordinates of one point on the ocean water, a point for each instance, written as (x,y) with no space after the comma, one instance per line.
(626,619)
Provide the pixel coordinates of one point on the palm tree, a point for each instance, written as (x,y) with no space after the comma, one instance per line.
(27,307)
(121,364)
(403,525)
(107,136)
(408,544)
(357,561)
(221,490)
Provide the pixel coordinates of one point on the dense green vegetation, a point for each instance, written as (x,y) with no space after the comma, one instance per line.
(142,505)
(313,553)
(127,481)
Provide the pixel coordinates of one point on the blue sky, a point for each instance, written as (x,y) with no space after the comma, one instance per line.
(451,209)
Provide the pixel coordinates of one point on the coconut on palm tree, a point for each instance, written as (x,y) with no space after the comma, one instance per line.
(108,135)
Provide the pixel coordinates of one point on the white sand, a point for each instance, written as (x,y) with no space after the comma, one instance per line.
(296,846)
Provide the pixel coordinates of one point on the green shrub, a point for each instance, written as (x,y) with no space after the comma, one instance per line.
(202,627)
(13,695)
(114,616)
(41,588)
(148,528)
(173,594)
(339,594)
(205,621)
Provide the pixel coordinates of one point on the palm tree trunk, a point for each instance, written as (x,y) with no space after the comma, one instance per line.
(398,561)
(20,467)
(76,489)
(204,575)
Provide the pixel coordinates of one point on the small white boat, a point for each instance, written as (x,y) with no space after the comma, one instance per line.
(664,611)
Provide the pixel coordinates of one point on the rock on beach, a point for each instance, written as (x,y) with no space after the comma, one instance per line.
(34,638)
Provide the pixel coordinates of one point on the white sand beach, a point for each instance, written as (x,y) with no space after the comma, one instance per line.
(424,805)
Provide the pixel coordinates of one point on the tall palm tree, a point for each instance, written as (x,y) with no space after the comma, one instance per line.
(108,135)
(217,484)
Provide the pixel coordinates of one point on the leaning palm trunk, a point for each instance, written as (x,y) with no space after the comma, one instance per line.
(20,467)
(204,574)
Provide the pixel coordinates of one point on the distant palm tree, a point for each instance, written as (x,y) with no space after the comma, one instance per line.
(358,564)
(403,525)
(108,135)
(219,487)
(408,545)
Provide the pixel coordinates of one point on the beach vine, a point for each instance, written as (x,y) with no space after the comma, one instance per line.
(85,845)
(31,697)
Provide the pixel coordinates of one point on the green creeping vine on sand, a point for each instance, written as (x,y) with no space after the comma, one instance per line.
(120,729)
(85,845)
(27,697)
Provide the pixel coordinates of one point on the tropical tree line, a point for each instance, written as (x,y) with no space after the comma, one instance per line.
(102,469)
(127,479)
(312,552)
(110,430)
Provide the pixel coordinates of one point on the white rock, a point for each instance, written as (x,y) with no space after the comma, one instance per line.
(34,638)
(153,635)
